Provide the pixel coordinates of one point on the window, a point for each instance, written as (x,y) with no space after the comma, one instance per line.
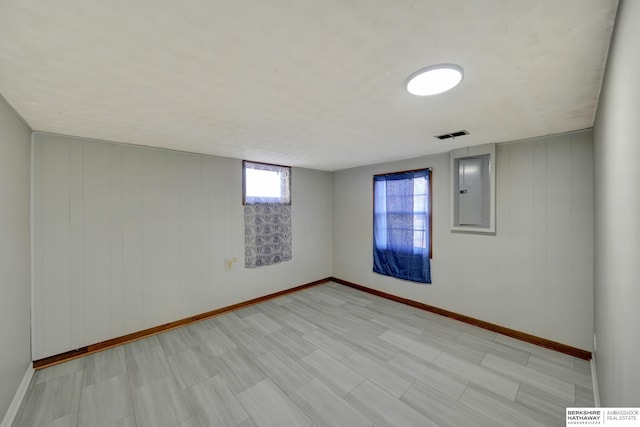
(266,195)
(402,225)
(265,183)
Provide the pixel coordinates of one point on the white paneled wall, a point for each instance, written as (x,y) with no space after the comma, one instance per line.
(128,238)
(534,275)
(617,254)
(15,264)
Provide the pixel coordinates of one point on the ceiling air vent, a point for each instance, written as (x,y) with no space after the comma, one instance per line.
(452,134)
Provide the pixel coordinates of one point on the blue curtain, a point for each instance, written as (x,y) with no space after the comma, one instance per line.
(401,225)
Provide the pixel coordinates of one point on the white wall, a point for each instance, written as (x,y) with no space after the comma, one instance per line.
(128,237)
(617,219)
(534,275)
(15,304)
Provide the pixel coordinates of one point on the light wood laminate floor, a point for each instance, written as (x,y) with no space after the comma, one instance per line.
(325,356)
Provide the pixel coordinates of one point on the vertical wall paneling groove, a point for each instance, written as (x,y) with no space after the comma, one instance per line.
(176,203)
(76,261)
(96,248)
(37,301)
(520,231)
(128,238)
(502,214)
(559,231)
(198,255)
(154,237)
(115,239)
(132,237)
(55,240)
(539,239)
(212,250)
(582,217)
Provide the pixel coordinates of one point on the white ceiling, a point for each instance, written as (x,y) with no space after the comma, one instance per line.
(317,84)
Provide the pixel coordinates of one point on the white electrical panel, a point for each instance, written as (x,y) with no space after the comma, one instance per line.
(473,189)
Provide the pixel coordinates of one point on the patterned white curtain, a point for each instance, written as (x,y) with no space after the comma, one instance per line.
(267,234)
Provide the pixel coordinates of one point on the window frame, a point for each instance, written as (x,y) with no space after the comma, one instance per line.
(285,181)
(430,200)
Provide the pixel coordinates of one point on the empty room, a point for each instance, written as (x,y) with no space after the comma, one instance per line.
(363,213)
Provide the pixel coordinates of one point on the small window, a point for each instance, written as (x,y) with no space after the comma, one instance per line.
(265,184)
(402,225)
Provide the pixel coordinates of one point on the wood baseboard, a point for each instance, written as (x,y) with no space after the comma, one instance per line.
(542,342)
(104,345)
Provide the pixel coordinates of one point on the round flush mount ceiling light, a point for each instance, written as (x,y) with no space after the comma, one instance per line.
(434,79)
